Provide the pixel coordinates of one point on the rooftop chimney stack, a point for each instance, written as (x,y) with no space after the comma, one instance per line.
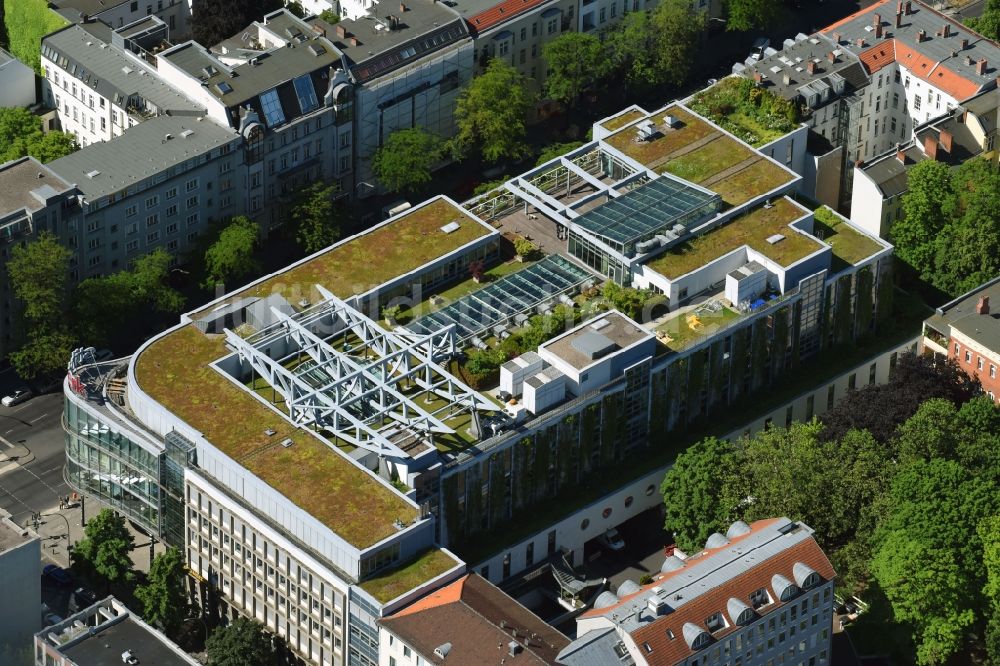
(341,31)
(899,7)
(981,67)
(900,154)
(921,35)
(811,67)
(964,43)
(876,20)
(945,138)
(758,77)
(836,38)
(860,42)
(946,30)
(930,146)
(831,57)
(402,8)
(899,19)
(787,79)
(909,7)
(983,306)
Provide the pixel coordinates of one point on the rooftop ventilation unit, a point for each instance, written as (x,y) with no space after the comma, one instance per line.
(93,174)
(450,227)
(775,239)
(645,130)
(671,120)
(286,442)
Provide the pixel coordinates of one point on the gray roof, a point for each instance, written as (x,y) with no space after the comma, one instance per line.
(960,314)
(425,27)
(105,647)
(594,648)
(108,70)
(792,59)
(889,174)
(139,153)
(986,107)
(5,57)
(89,7)
(21,187)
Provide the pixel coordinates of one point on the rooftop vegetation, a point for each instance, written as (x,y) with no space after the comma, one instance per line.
(850,246)
(374,257)
(752,229)
(621,120)
(175,371)
(752,181)
(391,584)
(753,114)
(652,153)
(688,327)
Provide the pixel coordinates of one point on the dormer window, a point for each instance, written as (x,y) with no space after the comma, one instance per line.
(760,598)
(715,622)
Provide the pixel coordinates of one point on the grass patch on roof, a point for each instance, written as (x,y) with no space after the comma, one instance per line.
(175,372)
(714,157)
(377,256)
(752,229)
(849,245)
(391,584)
(756,179)
(753,114)
(621,121)
(652,153)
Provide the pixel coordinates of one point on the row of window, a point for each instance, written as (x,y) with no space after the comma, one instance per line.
(980,363)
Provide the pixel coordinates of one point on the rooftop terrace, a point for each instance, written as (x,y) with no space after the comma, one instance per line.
(698,152)
(850,246)
(750,230)
(755,115)
(391,584)
(174,370)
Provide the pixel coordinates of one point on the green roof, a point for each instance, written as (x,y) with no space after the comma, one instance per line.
(621,120)
(387,586)
(753,230)
(175,372)
(755,115)
(850,246)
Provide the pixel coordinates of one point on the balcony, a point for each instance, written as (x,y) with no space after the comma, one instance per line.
(935,341)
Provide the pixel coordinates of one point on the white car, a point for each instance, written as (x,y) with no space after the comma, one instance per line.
(17,397)
(612,540)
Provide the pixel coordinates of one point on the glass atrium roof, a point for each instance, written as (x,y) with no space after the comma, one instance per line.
(514,294)
(647,210)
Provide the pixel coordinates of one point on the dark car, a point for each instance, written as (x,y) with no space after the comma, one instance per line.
(57,574)
(81,598)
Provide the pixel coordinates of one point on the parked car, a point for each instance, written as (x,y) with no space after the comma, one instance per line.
(57,574)
(18,396)
(612,540)
(80,599)
(51,618)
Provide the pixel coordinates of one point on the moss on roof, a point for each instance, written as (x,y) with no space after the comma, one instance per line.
(175,372)
(374,257)
(849,245)
(652,153)
(387,586)
(622,120)
(753,230)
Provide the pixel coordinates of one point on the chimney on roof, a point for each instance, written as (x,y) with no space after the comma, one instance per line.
(909,7)
(402,8)
(930,146)
(899,19)
(353,41)
(340,30)
(787,79)
(878,31)
(964,43)
(983,306)
(513,648)
(876,20)
(944,137)
(921,35)
(900,154)
(860,42)
(946,30)
(831,57)
(758,77)
(836,38)
(981,67)
(899,7)
(811,67)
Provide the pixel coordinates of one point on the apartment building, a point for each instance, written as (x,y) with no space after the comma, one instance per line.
(20,580)
(760,594)
(968,330)
(100,87)
(118,13)
(966,131)
(17,81)
(870,79)
(469,621)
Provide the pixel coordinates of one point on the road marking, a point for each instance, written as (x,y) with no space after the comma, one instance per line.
(7,432)
(9,467)
(39,418)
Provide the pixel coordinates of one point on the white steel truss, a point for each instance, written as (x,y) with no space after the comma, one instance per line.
(363,401)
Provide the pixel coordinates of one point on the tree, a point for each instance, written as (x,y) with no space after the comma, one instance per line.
(881,408)
(576,61)
(926,207)
(163,597)
(692,493)
(988,23)
(404,162)
(329,16)
(215,20)
(43,354)
(296,8)
(39,276)
(657,47)
(231,255)
(21,134)
(524,248)
(989,533)
(491,114)
(243,642)
(317,219)
(751,14)
(105,547)
(554,150)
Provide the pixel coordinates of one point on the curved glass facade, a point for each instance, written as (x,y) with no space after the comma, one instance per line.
(108,466)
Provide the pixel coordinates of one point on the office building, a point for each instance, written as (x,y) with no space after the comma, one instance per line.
(760,594)
(106,634)
(968,330)
(20,585)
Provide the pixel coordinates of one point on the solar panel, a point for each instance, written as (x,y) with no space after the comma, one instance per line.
(500,301)
(647,210)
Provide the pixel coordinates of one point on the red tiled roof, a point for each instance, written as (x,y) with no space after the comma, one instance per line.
(468,614)
(879,56)
(851,17)
(895,50)
(667,651)
(755,528)
(500,12)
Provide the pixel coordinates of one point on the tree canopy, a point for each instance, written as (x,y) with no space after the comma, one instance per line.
(692,493)
(988,23)
(950,230)
(231,255)
(576,61)
(21,134)
(656,47)
(163,597)
(243,642)
(105,548)
(317,218)
(751,14)
(403,163)
(491,114)
(215,20)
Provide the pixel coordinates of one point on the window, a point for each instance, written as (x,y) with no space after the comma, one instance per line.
(171,210)
(830,394)
(192,219)
(132,246)
(272,108)
(993,371)
(916,103)
(503,48)
(191,185)
(152,201)
(979,363)
(852,381)
(715,622)
(968,356)
(192,202)
(153,237)
(553,26)
(871,374)
(172,228)
(603,16)
(151,220)
(306,93)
